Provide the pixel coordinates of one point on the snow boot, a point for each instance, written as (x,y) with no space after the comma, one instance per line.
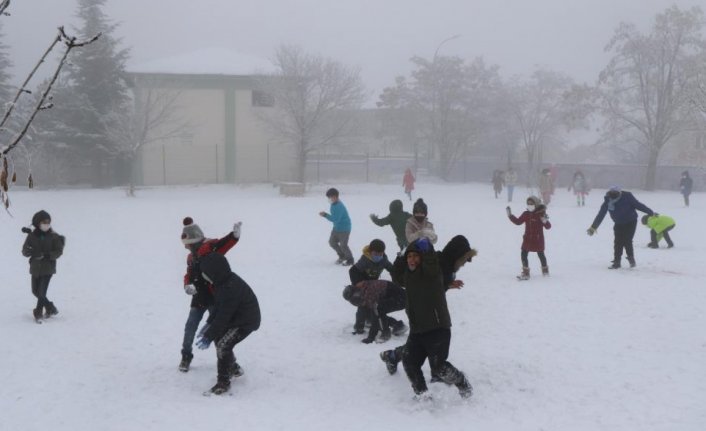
(545,271)
(525,274)
(221,387)
(390,360)
(236,370)
(652,245)
(37,312)
(632,261)
(615,265)
(185,362)
(384,336)
(50,310)
(399,328)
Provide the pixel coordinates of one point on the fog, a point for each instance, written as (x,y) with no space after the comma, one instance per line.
(379,37)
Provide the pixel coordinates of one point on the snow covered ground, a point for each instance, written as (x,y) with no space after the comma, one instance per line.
(585,349)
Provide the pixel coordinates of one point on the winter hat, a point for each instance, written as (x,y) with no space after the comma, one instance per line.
(420,207)
(535,200)
(191,234)
(377,245)
(39,217)
(215,267)
(615,189)
(332,192)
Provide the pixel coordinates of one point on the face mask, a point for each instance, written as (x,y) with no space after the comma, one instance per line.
(377,258)
(419,218)
(44,227)
(530,208)
(331,200)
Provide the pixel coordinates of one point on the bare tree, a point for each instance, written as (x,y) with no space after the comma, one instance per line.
(645,86)
(314,98)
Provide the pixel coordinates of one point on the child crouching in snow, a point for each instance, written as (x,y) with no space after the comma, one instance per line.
(375,299)
(659,225)
(535,220)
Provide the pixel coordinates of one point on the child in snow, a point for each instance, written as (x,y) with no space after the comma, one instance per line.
(580,186)
(376,298)
(535,220)
(418,226)
(622,206)
(510,181)
(546,185)
(236,313)
(498,182)
(429,320)
(341,232)
(201,291)
(659,225)
(455,254)
(408,182)
(685,186)
(43,247)
(397,219)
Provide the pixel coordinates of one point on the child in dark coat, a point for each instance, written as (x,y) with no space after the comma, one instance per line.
(535,220)
(397,219)
(236,313)
(200,290)
(43,247)
(375,298)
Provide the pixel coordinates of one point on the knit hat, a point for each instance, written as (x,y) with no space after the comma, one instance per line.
(191,234)
(420,207)
(39,217)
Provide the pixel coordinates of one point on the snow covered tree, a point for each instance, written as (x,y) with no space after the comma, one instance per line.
(314,98)
(647,85)
(93,93)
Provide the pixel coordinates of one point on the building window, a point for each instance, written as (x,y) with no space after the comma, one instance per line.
(262,99)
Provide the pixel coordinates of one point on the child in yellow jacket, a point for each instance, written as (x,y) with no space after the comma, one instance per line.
(659,225)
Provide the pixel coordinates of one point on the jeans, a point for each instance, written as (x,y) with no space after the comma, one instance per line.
(510,189)
(40,285)
(192,325)
(339,243)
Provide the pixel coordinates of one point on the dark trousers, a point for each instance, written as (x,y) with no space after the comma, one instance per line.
(525,262)
(432,345)
(40,285)
(665,234)
(224,351)
(686,199)
(623,235)
(393,299)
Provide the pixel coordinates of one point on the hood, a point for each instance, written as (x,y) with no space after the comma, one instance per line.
(39,216)
(396,206)
(456,248)
(535,200)
(216,268)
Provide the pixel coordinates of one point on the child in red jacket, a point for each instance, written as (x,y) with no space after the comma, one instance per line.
(535,220)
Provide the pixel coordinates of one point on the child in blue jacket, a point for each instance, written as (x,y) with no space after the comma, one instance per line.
(341,231)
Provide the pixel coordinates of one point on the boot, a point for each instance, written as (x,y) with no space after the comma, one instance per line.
(652,245)
(50,310)
(399,328)
(221,387)
(525,274)
(185,362)
(37,312)
(615,265)
(390,360)
(384,336)
(631,259)
(453,376)
(236,370)
(545,271)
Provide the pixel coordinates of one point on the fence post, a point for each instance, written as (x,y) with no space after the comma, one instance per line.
(367,167)
(164,165)
(318,167)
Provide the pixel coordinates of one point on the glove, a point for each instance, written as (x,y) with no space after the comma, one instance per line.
(367,340)
(190,289)
(544,219)
(202,343)
(591,230)
(26,230)
(508,211)
(423,245)
(373,216)
(236,229)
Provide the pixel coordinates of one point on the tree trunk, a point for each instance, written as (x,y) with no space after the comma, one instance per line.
(301,166)
(651,174)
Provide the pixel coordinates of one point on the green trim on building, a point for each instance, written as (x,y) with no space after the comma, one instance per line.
(229,133)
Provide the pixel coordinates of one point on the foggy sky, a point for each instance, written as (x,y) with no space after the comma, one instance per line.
(379,36)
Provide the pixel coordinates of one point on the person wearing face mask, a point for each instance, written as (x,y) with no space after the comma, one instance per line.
(622,206)
(200,290)
(341,231)
(43,247)
(418,226)
(377,297)
(535,220)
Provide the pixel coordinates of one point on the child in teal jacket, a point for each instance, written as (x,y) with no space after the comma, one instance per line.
(659,225)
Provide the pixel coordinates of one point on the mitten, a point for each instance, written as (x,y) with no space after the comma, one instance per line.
(190,289)
(236,229)
(591,230)
(508,211)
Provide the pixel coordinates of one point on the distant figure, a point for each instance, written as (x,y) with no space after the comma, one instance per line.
(498,182)
(535,219)
(510,181)
(622,206)
(580,186)
(659,225)
(408,183)
(546,185)
(685,186)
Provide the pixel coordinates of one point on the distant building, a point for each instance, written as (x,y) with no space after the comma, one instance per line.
(223,139)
